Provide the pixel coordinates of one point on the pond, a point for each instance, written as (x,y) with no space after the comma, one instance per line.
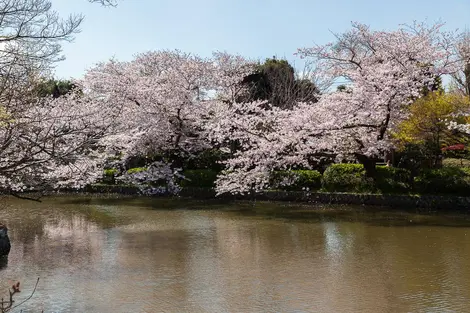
(162,255)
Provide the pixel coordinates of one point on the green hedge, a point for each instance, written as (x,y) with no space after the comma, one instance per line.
(204,178)
(451,162)
(343,178)
(136,170)
(446,180)
(109,176)
(346,177)
(300,180)
(393,180)
(110,172)
(352,178)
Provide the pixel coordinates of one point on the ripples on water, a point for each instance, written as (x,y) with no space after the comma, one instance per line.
(149,255)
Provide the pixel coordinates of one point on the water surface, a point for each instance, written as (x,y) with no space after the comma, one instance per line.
(160,255)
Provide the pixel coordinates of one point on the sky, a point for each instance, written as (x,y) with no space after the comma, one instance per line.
(256,29)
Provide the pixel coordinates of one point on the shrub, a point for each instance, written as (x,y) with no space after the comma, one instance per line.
(466,170)
(352,178)
(109,176)
(204,178)
(110,172)
(136,170)
(297,180)
(450,180)
(308,178)
(346,177)
(450,162)
(417,156)
(393,179)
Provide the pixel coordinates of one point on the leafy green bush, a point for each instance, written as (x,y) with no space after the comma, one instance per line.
(204,178)
(346,177)
(308,178)
(450,162)
(457,154)
(466,170)
(136,170)
(417,156)
(352,178)
(393,179)
(446,180)
(110,172)
(109,176)
(296,180)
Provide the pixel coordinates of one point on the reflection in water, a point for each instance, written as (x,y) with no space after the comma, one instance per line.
(3,262)
(128,256)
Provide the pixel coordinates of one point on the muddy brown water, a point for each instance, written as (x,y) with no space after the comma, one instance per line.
(163,255)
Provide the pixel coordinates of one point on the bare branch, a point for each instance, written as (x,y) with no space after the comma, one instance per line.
(7,306)
(32,294)
(111,3)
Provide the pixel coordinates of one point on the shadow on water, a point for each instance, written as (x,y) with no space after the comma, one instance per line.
(370,215)
(308,213)
(163,203)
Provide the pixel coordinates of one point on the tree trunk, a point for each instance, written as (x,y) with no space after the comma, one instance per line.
(467,78)
(369,165)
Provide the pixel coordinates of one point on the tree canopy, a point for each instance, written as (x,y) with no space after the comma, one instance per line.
(275,81)
(55,88)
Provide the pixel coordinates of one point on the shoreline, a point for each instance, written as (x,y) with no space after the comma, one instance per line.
(403,201)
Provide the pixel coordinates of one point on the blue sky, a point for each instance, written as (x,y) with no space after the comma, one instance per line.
(254,28)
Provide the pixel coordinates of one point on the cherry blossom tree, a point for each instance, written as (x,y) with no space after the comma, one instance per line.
(49,143)
(45,142)
(385,71)
(166,98)
(461,78)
